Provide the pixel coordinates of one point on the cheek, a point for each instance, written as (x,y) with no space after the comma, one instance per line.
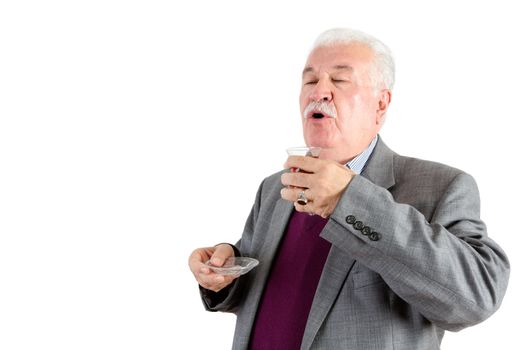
(303,100)
(358,102)
(366,102)
(358,108)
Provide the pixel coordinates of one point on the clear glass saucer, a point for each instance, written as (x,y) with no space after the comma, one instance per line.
(234,266)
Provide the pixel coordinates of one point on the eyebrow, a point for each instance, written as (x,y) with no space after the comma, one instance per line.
(336,67)
(343,67)
(307,70)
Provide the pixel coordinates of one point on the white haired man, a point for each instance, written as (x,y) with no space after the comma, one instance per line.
(364,248)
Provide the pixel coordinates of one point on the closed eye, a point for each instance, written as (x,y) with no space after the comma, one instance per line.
(310,82)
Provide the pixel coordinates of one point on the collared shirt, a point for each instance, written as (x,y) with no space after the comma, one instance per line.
(358,163)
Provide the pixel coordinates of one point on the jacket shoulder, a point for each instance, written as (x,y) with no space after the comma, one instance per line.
(409,169)
(422,183)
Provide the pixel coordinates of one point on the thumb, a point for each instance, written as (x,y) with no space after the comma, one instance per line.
(221,253)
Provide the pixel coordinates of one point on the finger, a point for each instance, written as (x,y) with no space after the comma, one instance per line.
(292,194)
(205,270)
(308,164)
(212,281)
(296,179)
(197,259)
(288,194)
(221,253)
(215,281)
(202,254)
(211,278)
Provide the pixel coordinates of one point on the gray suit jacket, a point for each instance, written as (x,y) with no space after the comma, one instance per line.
(432,268)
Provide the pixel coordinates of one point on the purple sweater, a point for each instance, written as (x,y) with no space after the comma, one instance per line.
(290,289)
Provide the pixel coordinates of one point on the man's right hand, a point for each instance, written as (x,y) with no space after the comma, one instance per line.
(203,274)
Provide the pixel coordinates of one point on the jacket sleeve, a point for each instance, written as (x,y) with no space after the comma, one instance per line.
(448,268)
(227,299)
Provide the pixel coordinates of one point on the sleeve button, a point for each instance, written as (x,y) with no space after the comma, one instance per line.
(358,225)
(375,236)
(350,219)
(366,230)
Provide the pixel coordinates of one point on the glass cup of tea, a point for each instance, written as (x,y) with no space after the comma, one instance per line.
(303,151)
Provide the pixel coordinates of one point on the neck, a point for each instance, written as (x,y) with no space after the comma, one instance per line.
(346,153)
(338,155)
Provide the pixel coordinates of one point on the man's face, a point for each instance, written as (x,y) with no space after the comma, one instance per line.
(340,76)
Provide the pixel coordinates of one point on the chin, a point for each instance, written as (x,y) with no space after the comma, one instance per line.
(317,141)
(317,136)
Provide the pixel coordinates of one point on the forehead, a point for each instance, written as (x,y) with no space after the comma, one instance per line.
(355,55)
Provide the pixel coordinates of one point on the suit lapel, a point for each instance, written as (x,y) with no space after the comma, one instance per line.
(281,215)
(380,166)
(283,211)
(335,272)
(379,169)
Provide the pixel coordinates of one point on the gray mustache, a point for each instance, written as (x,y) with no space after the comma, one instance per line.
(323,107)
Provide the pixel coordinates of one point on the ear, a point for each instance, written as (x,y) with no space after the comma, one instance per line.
(385,96)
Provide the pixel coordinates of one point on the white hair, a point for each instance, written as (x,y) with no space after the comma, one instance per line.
(383,73)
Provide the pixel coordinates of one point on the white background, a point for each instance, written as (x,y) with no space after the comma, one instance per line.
(132,132)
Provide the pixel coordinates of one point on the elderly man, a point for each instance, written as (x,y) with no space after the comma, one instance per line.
(362,248)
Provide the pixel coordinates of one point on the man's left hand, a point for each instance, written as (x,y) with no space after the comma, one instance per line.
(323,182)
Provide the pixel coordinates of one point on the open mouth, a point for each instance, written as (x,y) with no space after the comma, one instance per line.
(316,114)
(320,110)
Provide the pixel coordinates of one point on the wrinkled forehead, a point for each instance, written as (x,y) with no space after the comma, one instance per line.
(356,56)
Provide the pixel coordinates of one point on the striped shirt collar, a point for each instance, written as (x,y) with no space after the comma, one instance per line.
(358,163)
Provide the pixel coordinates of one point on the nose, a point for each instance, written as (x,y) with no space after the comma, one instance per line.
(321,92)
